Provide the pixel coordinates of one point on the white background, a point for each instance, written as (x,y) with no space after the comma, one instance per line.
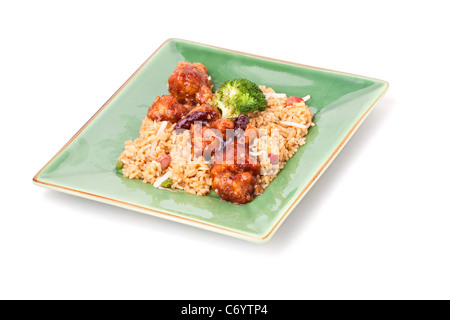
(375,225)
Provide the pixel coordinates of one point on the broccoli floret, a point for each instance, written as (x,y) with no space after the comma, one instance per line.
(239,96)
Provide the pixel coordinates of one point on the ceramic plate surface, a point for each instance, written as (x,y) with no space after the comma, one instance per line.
(85,166)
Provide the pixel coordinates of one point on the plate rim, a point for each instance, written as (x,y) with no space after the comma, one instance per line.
(194,222)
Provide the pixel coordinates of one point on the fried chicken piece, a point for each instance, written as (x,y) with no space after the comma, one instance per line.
(237,165)
(204,140)
(204,95)
(234,177)
(223,125)
(236,188)
(167,108)
(190,82)
(236,157)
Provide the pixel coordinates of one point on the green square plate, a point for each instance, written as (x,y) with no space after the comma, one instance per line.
(85,166)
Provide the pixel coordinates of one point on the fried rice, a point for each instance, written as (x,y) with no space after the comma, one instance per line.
(281,131)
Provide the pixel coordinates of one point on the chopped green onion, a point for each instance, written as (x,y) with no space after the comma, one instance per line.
(119,165)
(167,184)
